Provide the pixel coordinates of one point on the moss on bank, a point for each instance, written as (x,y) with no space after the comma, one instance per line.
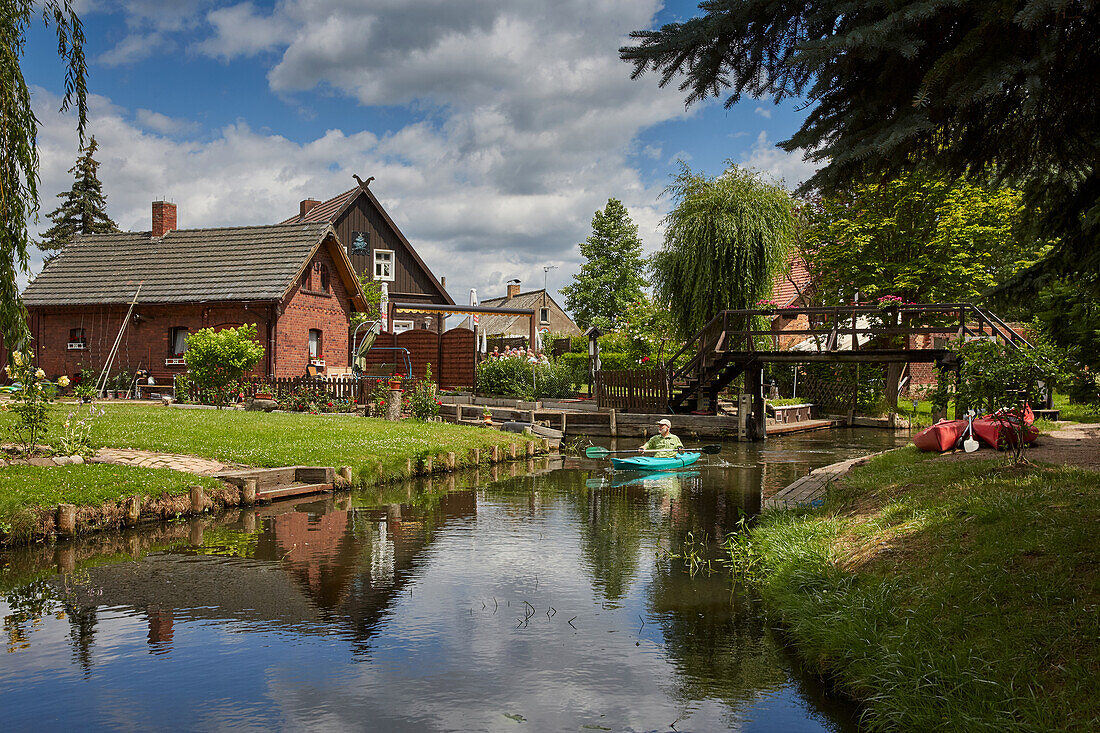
(956,595)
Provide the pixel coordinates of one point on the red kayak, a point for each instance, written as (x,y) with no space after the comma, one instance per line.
(999,431)
(942,436)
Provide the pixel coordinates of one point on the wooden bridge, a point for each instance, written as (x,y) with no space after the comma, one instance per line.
(737,342)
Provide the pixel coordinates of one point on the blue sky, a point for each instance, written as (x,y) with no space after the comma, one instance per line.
(494,128)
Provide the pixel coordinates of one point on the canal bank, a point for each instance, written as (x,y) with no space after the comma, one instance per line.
(164,463)
(455,602)
(945,594)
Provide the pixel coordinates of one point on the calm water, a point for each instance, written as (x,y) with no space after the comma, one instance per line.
(524,598)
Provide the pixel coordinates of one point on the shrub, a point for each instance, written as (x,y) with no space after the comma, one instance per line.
(31,396)
(216,360)
(421,398)
(512,376)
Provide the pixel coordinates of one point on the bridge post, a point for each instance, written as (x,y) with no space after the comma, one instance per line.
(754,387)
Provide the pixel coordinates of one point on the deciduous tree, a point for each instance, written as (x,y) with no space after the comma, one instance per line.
(919,237)
(83,208)
(18,140)
(724,241)
(612,277)
(962,87)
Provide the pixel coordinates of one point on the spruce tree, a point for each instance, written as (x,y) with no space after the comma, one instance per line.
(83,208)
(967,87)
(611,279)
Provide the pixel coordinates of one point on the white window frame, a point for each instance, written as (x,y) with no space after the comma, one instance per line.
(315,347)
(541,312)
(392,264)
(402,326)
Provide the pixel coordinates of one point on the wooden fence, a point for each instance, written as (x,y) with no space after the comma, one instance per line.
(632,390)
(353,389)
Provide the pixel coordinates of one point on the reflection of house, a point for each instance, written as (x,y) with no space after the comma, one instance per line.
(375,245)
(294,282)
(550,318)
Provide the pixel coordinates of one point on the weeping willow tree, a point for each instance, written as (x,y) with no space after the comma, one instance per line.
(18,141)
(725,241)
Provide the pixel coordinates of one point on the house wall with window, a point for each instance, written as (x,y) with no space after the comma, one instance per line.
(151,340)
(318,303)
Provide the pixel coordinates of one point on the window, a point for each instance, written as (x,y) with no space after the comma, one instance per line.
(177,340)
(77,339)
(544,315)
(360,244)
(383,264)
(402,326)
(320,280)
(316,350)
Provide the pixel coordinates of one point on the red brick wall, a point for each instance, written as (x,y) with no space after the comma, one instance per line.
(307,308)
(144,345)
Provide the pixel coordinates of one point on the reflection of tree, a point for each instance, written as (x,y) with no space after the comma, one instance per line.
(716,639)
(82,623)
(614,521)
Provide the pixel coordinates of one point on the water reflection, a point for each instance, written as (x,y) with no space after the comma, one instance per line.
(460,603)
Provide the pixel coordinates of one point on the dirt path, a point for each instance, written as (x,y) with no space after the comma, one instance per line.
(1072,444)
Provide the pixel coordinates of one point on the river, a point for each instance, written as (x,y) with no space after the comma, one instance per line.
(521,597)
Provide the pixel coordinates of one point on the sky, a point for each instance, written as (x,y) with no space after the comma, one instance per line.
(494,128)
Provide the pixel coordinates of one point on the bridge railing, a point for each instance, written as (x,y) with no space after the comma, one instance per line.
(734,330)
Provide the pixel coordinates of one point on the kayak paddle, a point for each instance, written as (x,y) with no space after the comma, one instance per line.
(595,451)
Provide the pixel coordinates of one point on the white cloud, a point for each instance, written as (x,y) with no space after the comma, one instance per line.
(789,169)
(135,47)
(240,31)
(765,113)
(164,124)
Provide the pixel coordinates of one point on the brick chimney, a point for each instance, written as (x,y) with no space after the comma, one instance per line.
(164,218)
(513,290)
(306,206)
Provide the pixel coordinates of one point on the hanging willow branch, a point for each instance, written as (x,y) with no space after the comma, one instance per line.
(18,141)
(725,241)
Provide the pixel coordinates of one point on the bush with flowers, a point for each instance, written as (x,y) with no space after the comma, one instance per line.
(422,402)
(31,394)
(76,436)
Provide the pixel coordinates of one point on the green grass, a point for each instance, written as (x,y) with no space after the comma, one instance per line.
(1075,412)
(26,488)
(948,595)
(281,439)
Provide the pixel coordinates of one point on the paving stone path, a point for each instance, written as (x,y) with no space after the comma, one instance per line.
(811,488)
(148,459)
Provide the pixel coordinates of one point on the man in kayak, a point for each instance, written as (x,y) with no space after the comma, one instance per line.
(665,443)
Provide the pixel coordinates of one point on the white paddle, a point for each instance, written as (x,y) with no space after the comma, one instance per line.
(970,444)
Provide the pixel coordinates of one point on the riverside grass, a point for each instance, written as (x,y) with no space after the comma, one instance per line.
(282,439)
(946,595)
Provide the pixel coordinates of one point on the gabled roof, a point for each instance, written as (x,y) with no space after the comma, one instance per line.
(784,292)
(186,266)
(329,211)
(505,324)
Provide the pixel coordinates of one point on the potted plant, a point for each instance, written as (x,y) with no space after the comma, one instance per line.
(263,392)
(84,392)
(487,416)
(395,382)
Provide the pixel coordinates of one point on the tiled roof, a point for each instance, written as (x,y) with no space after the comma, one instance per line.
(783,291)
(327,210)
(185,265)
(518,325)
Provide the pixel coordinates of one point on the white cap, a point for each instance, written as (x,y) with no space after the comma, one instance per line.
(664,421)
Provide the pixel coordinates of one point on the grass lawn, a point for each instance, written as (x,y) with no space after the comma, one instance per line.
(31,487)
(280,439)
(958,595)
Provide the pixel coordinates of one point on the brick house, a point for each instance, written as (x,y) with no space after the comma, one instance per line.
(294,281)
(376,245)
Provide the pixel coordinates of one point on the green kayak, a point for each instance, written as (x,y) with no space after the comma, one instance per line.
(653,463)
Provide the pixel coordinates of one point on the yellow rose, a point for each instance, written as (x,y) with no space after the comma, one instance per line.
(17,358)
(40,374)
(63,381)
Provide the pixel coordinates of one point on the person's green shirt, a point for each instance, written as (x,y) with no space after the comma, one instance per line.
(666,445)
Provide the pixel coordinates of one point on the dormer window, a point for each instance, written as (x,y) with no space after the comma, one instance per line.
(383,264)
